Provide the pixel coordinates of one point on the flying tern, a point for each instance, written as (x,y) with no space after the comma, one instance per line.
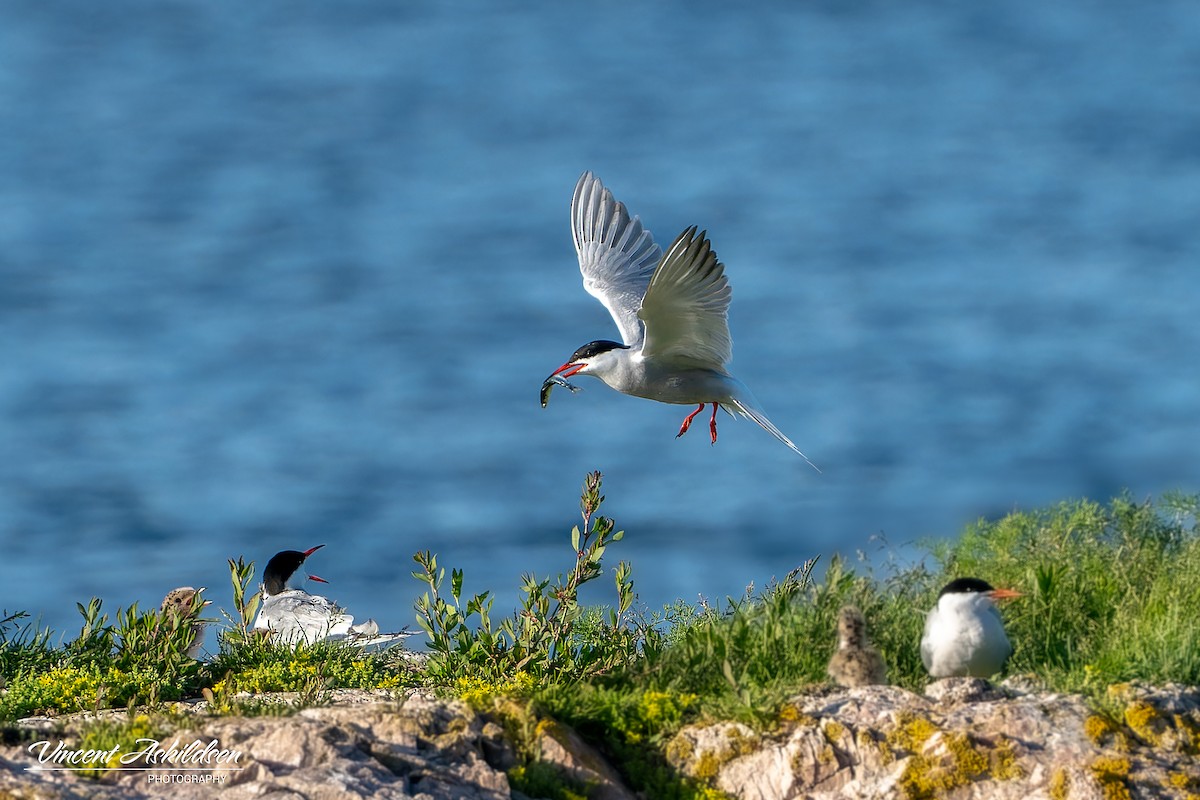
(671,310)
(964,635)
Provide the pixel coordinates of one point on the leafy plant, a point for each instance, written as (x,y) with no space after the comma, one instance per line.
(551,636)
(245,604)
(23,647)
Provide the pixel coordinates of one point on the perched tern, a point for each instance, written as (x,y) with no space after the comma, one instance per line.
(856,662)
(671,309)
(293,615)
(964,635)
(181,604)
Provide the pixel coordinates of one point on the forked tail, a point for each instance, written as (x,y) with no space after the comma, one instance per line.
(749,411)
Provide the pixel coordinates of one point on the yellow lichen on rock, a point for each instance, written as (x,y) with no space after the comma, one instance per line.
(791,715)
(1145,722)
(911,732)
(1004,765)
(926,775)
(833,731)
(1111,773)
(1060,785)
(1103,731)
(1188,729)
(680,750)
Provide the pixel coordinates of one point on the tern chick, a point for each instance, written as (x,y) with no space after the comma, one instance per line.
(856,662)
(181,604)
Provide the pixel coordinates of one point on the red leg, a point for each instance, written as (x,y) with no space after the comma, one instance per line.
(712,424)
(687,423)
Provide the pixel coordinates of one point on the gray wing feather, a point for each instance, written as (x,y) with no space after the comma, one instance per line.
(686,305)
(617,255)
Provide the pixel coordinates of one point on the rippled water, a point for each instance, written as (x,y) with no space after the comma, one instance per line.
(274,276)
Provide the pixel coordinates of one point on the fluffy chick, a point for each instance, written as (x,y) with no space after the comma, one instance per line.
(856,662)
(181,604)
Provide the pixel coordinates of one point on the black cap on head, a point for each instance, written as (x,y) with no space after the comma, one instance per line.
(966,585)
(593,349)
(282,566)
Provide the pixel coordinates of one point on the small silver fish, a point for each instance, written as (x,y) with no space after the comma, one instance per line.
(549,384)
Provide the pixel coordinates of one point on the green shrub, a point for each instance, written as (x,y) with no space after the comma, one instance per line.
(552,636)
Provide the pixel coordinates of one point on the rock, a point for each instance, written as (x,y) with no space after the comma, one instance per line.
(361,746)
(579,762)
(964,739)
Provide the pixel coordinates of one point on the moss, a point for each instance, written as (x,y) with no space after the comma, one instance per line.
(710,762)
(1182,780)
(834,731)
(1060,785)
(964,761)
(1188,730)
(707,766)
(911,733)
(1004,766)
(739,743)
(970,760)
(927,776)
(1145,722)
(924,779)
(791,716)
(680,750)
(1111,773)
(1104,732)
(308,669)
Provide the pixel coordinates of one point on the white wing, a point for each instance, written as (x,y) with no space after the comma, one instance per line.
(617,255)
(297,616)
(686,305)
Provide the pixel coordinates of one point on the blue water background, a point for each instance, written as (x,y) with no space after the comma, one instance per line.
(274,275)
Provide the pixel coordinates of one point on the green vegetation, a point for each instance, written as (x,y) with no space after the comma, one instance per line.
(140,659)
(1112,593)
(551,637)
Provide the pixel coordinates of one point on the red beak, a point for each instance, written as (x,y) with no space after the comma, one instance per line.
(312,550)
(317,578)
(1004,594)
(572,367)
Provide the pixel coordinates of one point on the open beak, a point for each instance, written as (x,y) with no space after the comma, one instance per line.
(312,550)
(569,369)
(1005,594)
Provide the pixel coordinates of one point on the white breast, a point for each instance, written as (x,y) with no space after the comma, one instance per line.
(964,637)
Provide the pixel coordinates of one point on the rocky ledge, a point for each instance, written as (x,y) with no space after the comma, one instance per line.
(961,739)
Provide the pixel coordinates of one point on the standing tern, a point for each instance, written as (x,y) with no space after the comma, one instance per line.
(671,309)
(293,615)
(964,635)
